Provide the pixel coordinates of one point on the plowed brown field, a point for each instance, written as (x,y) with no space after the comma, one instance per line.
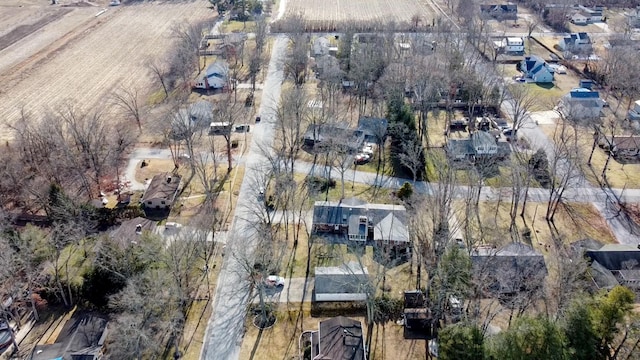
(367,14)
(89,60)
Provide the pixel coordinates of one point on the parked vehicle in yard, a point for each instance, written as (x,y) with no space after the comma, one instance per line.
(361,159)
(367,149)
(274,281)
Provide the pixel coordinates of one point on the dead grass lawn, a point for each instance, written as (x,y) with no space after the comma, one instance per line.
(572,222)
(281,341)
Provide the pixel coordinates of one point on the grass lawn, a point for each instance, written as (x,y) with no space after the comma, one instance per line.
(547,95)
(281,341)
(154,167)
(230,26)
(573,221)
(619,175)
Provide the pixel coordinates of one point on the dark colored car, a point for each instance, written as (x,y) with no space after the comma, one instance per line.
(257,119)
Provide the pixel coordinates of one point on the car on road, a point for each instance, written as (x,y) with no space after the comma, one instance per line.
(257,119)
(274,281)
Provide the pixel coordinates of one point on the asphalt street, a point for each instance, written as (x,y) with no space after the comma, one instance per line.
(226,325)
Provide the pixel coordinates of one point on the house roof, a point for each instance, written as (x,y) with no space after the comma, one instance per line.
(602,277)
(386,229)
(373,127)
(163,186)
(82,335)
(499,7)
(343,213)
(130,230)
(338,131)
(616,256)
(509,268)
(533,64)
(515,41)
(482,138)
(460,147)
(583,93)
(340,338)
(218,69)
(348,282)
(626,142)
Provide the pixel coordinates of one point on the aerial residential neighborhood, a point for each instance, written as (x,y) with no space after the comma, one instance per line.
(316,180)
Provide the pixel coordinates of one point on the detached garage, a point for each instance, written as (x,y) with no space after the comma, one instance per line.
(347,283)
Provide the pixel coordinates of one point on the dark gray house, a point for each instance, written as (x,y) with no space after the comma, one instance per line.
(373,129)
(621,261)
(321,136)
(338,338)
(500,11)
(82,338)
(357,221)
(512,269)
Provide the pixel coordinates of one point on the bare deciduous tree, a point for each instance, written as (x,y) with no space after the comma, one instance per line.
(128,100)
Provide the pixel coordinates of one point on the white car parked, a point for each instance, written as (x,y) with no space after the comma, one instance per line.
(274,281)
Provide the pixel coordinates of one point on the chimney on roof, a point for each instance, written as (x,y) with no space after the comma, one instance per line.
(168,179)
(139,229)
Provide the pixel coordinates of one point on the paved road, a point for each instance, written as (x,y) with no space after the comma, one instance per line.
(293,291)
(225,328)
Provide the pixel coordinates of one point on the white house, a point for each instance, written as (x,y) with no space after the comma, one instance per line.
(581,104)
(579,18)
(576,42)
(161,191)
(514,45)
(536,69)
(593,15)
(215,77)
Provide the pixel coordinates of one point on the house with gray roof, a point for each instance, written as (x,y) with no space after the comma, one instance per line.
(480,144)
(338,338)
(373,129)
(81,338)
(355,221)
(500,11)
(535,69)
(581,104)
(130,231)
(161,192)
(325,136)
(621,261)
(347,283)
(514,268)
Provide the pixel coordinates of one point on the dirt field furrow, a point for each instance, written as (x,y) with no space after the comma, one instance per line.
(93,62)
